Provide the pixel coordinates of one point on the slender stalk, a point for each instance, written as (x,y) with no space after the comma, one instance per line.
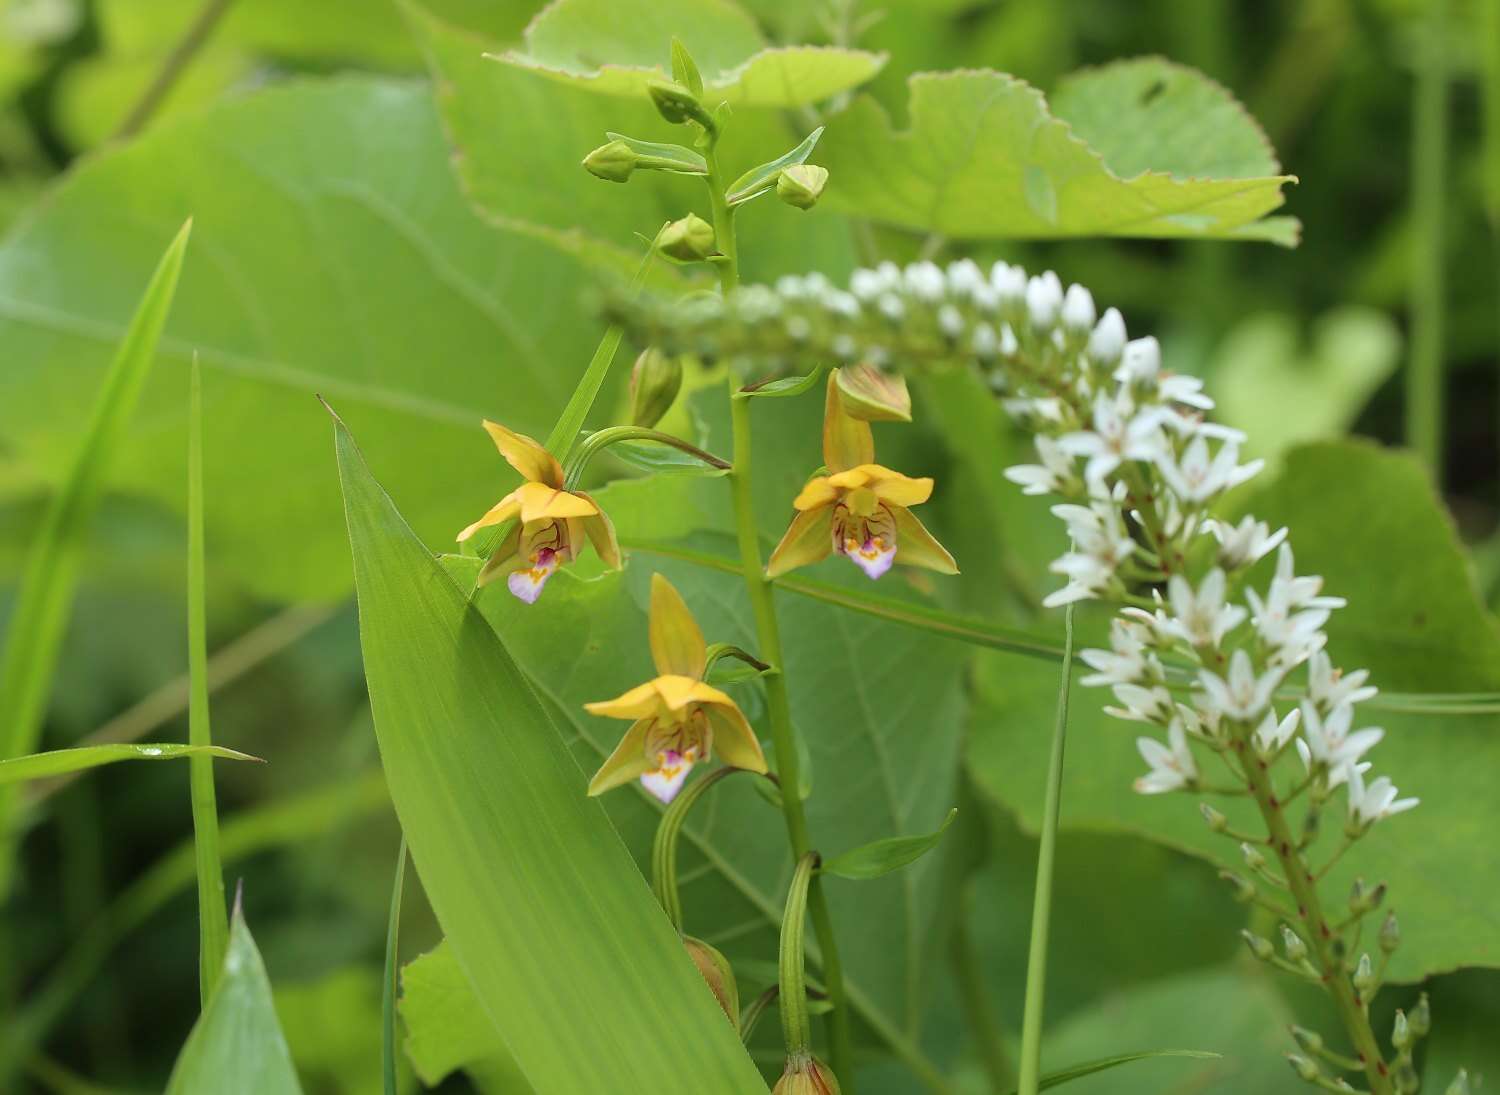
(1316,930)
(768,637)
(392,966)
(213,920)
(193,39)
(1041,910)
(1424,381)
(795,1027)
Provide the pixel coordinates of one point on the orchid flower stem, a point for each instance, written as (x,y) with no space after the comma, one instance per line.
(1041,912)
(768,639)
(1315,931)
(664,848)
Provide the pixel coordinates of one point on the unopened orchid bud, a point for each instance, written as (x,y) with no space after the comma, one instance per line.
(690,239)
(1215,820)
(1244,889)
(873,395)
(1421,1018)
(677,104)
(1390,934)
(806,1075)
(1296,949)
(801,185)
(1401,1032)
(717,971)
(1309,1040)
(1304,1067)
(1259,945)
(613,162)
(655,380)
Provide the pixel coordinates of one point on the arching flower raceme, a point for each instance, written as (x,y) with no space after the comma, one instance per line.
(860,509)
(553,523)
(678,720)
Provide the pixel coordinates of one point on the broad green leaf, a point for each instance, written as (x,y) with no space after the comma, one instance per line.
(60,761)
(1149,114)
(1234,1012)
(1282,392)
(984,159)
(617,47)
(494,107)
(1359,516)
(495,811)
(236,1047)
(884,856)
(445,1028)
(362,276)
(34,635)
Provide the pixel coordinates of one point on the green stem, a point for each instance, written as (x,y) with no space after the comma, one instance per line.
(1316,930)
(213,920)
(768,638)
(601,439)
(1041,911)
(1424,382)
(392,968)
(664,847)
(795,1027)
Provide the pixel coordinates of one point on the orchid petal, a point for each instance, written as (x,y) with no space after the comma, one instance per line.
(808,540)
(917,547)
(628,761)
(526,455)
(847,441)
(677,645)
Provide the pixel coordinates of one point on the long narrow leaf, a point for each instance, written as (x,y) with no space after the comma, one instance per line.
(1104,1064)
(547,915)
(213,918)
(59,761)
(237,1047)
(34,638)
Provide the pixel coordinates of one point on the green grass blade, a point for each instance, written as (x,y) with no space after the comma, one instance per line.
(213,918)
(1104,1064)
(34,638)
(60,761)
(1041,910)
(236,1047)
(296,820)
(392,972)
(548,917)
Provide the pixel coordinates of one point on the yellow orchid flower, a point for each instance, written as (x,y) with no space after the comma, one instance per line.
(553,522)
(678,720)
(860,509)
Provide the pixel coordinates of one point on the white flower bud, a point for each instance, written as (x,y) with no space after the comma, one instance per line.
(1078,309)
(925,281)
(950,321)
(964,277)
(1140,361)
(1009,281)
(1044,299)
(984,342)
(1108,340)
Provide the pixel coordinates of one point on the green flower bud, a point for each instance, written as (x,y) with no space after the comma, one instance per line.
(655,381)
(1407,1080)
(1309,1040)
(1364,977)
(801,185)
(1401,1032)
(1253,857)
(1460,1084)
(677,104)
(1259,946)
(871,395)
(1304,1068)
(717,971)
(1421,1018)
(612,162)
(1390,934)
(1296,949)
(806,1075)
(690,239)
(1216,821)
(1244,889)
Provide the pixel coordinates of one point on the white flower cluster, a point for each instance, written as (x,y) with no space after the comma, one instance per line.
(1126,448)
